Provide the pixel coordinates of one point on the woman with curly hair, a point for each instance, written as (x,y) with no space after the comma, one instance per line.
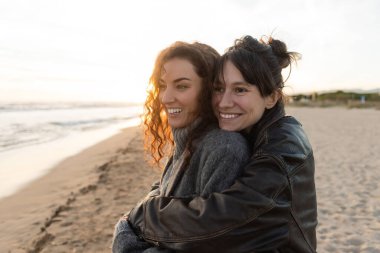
(180,125)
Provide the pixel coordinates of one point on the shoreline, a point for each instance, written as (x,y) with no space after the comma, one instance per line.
(28,217)
(34,161)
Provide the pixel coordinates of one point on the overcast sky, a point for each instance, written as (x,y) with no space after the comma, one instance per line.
(88,50)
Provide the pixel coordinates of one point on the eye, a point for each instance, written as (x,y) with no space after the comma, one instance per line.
(161,86)
(240,90)
(218,89)
(182,86)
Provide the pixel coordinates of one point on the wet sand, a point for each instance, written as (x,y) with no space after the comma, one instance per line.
(75,206)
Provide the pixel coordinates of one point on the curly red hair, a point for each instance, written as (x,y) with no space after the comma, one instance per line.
(158,139)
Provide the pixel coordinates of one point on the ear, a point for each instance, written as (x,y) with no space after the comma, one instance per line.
(271,100)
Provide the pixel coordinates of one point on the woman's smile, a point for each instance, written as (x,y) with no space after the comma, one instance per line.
(224,116)
(174,111)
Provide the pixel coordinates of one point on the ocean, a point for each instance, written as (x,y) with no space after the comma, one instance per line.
(36,136)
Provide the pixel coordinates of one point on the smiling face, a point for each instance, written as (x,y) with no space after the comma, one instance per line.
(179,88)
(238,104)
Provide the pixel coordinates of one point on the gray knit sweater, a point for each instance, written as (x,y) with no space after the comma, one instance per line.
(215,163)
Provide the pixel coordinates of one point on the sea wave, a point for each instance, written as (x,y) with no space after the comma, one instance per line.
(24,125)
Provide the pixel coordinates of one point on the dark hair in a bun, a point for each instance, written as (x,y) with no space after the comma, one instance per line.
(284,57)
(260,62)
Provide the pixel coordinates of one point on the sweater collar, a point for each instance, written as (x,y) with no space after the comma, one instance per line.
(180,136)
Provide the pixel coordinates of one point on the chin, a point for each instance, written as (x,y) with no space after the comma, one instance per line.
(227,128)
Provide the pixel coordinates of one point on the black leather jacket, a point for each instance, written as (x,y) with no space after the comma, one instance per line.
(271,207)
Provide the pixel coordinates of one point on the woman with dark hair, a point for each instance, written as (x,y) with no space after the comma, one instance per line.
(271,207)
(180,124)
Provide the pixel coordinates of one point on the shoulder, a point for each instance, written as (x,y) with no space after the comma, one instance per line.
(218,140)
(219,136)
(286,125)
(287,136)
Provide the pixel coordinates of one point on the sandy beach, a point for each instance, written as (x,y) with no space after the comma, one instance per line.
(74,207)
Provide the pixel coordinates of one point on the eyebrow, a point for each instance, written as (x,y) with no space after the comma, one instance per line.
(177,80)
(181,79)
(241,83)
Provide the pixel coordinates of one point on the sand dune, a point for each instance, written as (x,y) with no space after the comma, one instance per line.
(75,206)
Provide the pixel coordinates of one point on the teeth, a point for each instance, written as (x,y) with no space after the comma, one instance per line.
(174,110)
(228,115)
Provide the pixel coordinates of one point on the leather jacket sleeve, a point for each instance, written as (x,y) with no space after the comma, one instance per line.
(155,189)
(252,214)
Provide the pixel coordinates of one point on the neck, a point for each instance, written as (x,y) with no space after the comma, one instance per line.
(270,116)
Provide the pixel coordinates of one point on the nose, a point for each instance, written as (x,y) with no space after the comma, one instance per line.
(225,100)
(167,96)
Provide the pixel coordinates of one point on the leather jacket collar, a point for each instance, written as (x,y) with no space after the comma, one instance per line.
(270,116)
